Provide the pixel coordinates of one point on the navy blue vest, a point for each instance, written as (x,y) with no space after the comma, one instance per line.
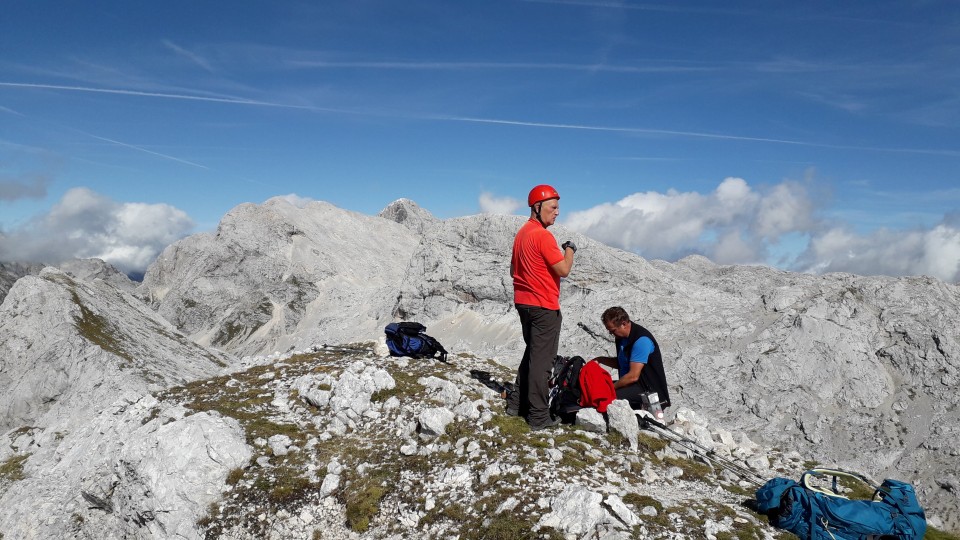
(652,377)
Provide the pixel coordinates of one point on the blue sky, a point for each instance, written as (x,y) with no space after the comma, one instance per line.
(816,136)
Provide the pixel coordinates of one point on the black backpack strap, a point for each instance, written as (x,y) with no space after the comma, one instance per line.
(410,328)
(440,350)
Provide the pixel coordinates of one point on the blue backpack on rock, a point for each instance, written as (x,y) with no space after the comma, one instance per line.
(409,339)
(816,514)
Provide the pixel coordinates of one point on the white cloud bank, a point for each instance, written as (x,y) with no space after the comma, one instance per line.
(736,224)
(934,252)
(490,204)
(86,224)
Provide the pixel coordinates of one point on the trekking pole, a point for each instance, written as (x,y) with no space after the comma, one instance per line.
(340,348)
(742,471)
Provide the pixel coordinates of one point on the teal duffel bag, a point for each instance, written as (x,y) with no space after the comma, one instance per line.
(816,514)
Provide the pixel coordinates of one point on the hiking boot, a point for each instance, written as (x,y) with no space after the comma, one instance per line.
(512,412)
(552,422)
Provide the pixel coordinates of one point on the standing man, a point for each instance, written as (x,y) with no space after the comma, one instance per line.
(537,266)
(638,359)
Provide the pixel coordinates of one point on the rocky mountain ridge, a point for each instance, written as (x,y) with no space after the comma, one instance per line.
(847,370)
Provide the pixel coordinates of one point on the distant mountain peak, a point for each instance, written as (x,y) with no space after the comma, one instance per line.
(408,213)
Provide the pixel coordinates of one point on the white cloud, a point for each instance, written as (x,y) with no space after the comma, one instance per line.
(733,224)
(736,224)
(86,224)
(934,252)
(294,199)
(489,204)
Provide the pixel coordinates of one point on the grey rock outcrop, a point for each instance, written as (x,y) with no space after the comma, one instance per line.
(91,269)
(69,347)
(166,478)
(410,215)
(137,470)
(10,272)
(82,269)
(275,277)
(623,421)
(577,511)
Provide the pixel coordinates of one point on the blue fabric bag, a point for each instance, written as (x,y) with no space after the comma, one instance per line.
(409,339)
(814,514)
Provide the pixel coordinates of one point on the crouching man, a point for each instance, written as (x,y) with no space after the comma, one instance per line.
(638,360)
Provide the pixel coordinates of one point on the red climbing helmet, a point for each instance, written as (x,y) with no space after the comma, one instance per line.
(543,192)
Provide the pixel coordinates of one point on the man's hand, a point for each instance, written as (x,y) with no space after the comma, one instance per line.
(569,244)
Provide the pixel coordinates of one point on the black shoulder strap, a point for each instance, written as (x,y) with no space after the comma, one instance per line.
(410,328)
(440,349)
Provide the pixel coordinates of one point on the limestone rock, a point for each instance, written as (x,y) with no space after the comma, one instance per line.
(409,214)
(591,420)
(433,421)
(276,276)
(624,421)
(10,272)
(576,510)
(169,477)
(91,269)
(68,347)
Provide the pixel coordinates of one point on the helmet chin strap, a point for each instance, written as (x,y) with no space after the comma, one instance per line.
(537,207)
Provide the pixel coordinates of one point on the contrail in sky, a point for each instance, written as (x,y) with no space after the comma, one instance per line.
(195,58)
(165,156)
(499,65)
(236,101)
(11,111)
(648,131)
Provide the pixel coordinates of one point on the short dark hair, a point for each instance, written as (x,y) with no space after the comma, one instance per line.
(616,315)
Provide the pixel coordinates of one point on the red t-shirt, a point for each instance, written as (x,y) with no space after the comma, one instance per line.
(535,250)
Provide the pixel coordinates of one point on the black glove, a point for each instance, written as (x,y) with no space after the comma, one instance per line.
(569,244)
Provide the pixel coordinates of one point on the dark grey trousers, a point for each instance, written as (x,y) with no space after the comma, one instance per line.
(632,393)
(541,333)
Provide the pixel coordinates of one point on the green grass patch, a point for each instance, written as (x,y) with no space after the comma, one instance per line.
(11,470)
(452,512)
(650,443)
(573,434)
(855,489)
(642,501)
(234,476)
(97,330)
(382,395)
(23,430)
(406,385)
(363,494)
(741,530)
(661,520)
(736,489)
(458,429)
(617,439)
(508,527)
(692,470)
(289,487)
(577,462)
(936,534)
(510,426)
